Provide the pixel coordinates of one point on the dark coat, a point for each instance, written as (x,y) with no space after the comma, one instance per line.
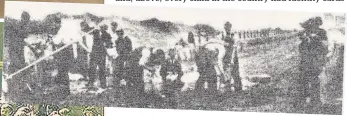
(123,45)
(204,63)
(102,42)
(313,53)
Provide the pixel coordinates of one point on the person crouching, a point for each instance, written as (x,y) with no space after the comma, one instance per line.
(171,73)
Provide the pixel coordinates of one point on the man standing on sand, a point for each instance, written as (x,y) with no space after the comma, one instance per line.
(63,58)
(230,45)
(231,59)
(313,51)
(171,67)
(191,46)
(82,57)
(115,81)
(123,47)
(102,41)
(207,71)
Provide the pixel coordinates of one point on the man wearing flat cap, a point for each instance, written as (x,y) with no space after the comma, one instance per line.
(123,47)
(101,41)
(313,52)
(81,61)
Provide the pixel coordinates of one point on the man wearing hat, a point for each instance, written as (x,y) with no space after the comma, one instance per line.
(123,47)
(63,58)
(313,52)
(98,55)
(82,57)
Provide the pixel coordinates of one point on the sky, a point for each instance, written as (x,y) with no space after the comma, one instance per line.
(240,19)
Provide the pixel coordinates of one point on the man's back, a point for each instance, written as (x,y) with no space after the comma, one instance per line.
(204,63)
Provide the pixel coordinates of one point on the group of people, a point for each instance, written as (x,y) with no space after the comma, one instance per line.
(90,62)
(16,34)
(131,62)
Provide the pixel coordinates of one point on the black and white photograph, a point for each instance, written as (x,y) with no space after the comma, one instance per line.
(173,58)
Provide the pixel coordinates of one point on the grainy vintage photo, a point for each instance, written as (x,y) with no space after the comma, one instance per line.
(173,58)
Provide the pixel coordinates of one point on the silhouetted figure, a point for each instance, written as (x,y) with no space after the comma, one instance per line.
(229,46)
(41,78)
(191,39)
(63,58)
(206,70)
(171,87)
(98,56)
(16,44)
(229,60)
(124,48)
(313,58)
(63,62)
(81,61)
